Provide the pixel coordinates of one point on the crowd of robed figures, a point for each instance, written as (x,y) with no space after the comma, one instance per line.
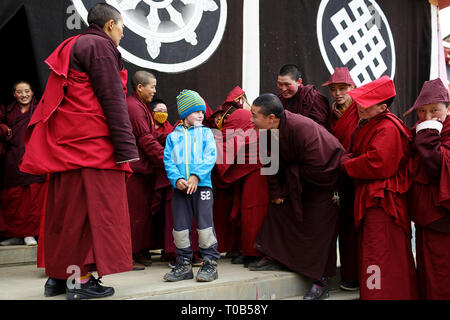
(102,178)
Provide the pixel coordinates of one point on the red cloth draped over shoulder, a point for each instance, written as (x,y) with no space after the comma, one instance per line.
(381,149)
(343,127)
(71,121)
(165,128)
(429,202)
(238,132)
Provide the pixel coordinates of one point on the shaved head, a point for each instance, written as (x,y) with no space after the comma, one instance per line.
(142,77)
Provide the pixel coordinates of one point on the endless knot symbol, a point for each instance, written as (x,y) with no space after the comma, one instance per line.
(180,25)
(359,40)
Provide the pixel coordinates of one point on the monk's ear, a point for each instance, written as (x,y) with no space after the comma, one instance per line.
(383,106)
(110,24)
(299,81)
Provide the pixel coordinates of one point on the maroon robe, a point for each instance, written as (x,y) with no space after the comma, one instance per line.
(309,102)
(244,209)
(23,194)
(84,108)
(429,201)
(342,127)
(381,148)
(301,232)
(141,184)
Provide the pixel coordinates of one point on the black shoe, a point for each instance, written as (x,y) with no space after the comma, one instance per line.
(89,290)
(317,292)
(54,287)
(240,259)
(251,259)
(181,271)
(350,285)
(265,264)
(208,271)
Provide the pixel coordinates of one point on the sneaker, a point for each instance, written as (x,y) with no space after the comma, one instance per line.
(30,241)
(350,285)
(317,292)
(12,242)
(208,271)
(265,264)
(89,290)
(181,271)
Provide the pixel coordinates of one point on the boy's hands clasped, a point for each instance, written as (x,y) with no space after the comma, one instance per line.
(189,186)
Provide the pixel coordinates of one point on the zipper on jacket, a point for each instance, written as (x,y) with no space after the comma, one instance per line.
(187,152)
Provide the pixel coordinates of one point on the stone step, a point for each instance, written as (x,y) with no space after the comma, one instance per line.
(17,255)
(235,283)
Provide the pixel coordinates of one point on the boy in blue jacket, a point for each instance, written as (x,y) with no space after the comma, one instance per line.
(189,157)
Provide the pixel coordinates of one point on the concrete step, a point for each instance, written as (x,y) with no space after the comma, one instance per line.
(336,294)
(235,283)
(17,255)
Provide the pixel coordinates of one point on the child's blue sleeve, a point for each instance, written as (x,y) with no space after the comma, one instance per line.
(171,168)
(203,170)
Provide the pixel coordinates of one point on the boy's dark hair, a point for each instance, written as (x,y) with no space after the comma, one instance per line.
(101,13)
(388,102)
(155,102)
(142,77)
(290,70)
(269,104)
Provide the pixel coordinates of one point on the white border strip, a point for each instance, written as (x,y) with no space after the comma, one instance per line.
(250,50)
(434,62)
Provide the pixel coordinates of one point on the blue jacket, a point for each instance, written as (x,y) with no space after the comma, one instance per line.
(190,151)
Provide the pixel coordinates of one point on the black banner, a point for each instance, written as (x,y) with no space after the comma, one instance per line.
(198,44)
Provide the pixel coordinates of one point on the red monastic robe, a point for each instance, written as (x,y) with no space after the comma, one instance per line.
(141,184)
(246,204)
(81,138)
(23,194)
(381,149)
(301,232)
(429,201)
(342,128)
(309,102)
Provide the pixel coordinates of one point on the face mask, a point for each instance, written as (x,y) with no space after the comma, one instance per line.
(161,117)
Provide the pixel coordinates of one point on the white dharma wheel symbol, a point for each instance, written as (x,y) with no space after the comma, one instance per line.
(167,24)
(155,31)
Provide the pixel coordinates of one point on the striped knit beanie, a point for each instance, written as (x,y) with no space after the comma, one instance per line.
(189,101)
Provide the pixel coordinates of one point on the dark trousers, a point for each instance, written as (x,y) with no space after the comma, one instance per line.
(184,208)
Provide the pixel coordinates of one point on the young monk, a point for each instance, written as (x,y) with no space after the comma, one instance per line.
(429,196)
(22,197)
(238,175)
(300,228)
(378,163)
(344,120)
(81,134)
(160,115)
(141,184)
(301,98)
